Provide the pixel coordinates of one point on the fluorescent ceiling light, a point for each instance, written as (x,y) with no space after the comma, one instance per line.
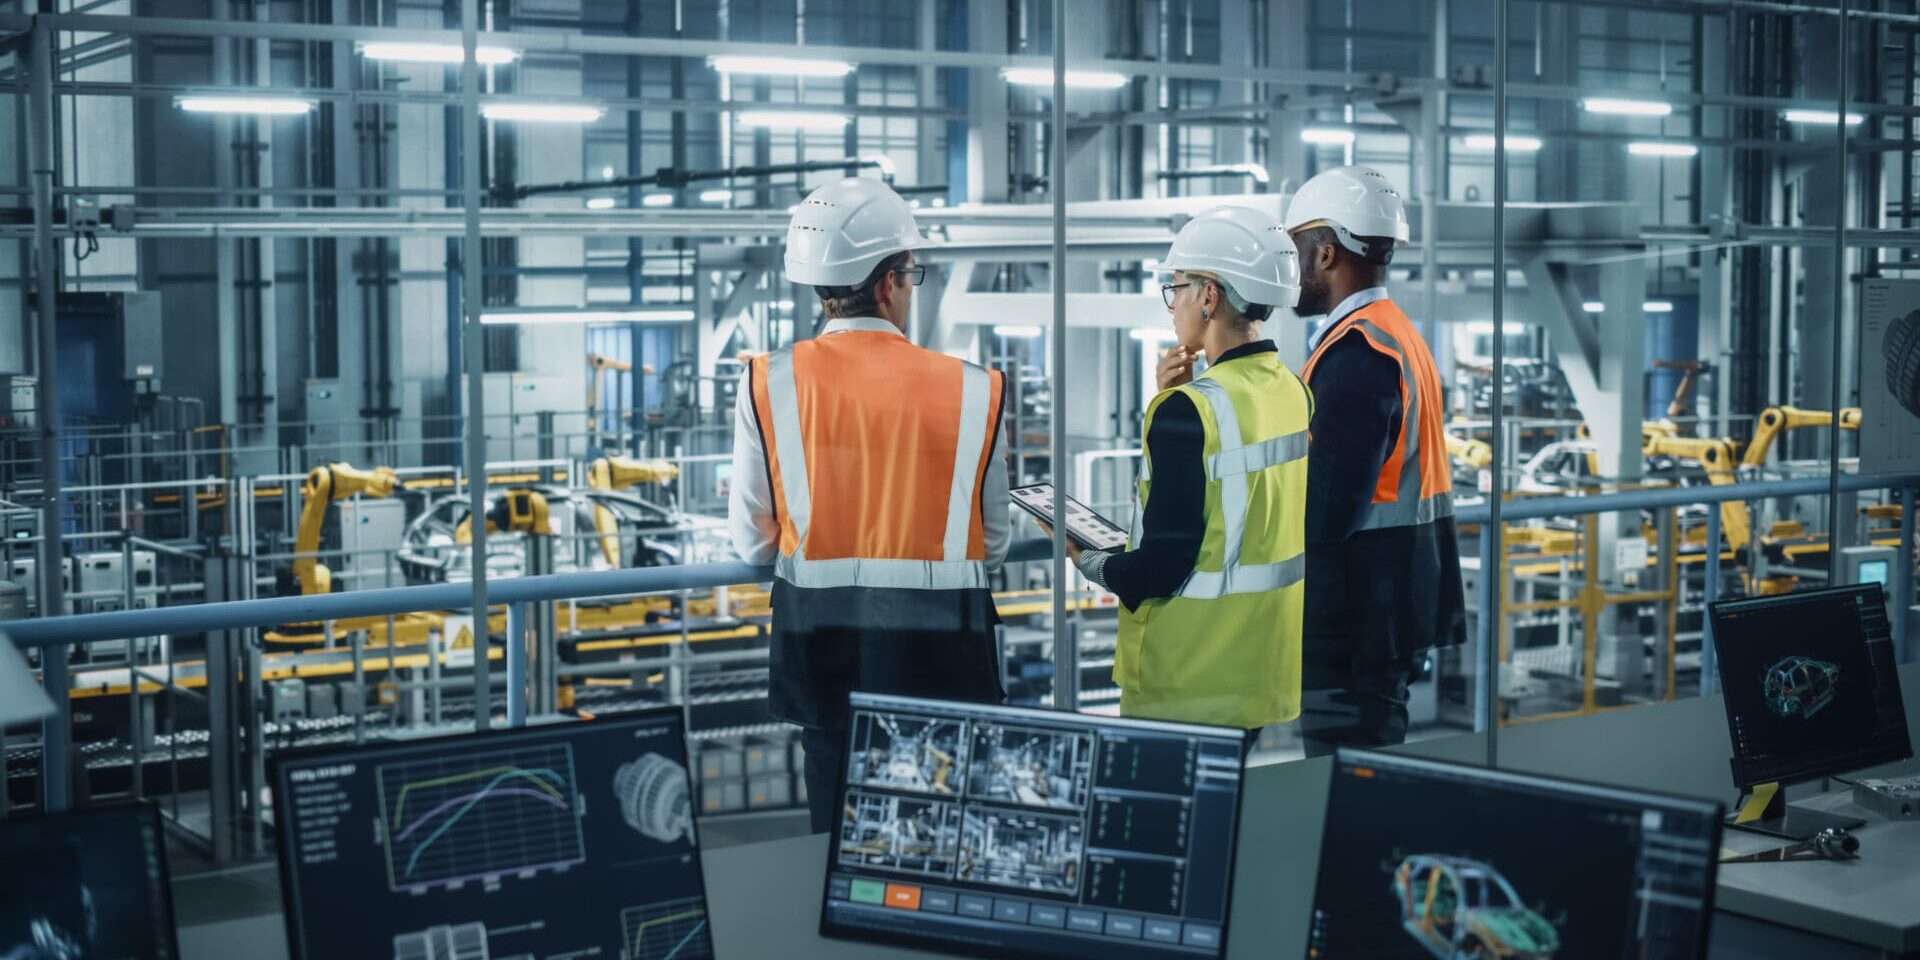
(1821,117)
(1593,306)
(780,66)
(1658,306)
(1151,336)
(793,120)
(644,315)
(1327,136)
(435,53)
(1628,108)
(1485,328)
(1076,79)
(1008,330)
(1661,148)
(600,203)
(716,195)
(657,200)
(543,112)
(1516,143)
(270,106)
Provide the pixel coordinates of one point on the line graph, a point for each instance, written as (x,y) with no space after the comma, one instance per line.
(452,819)
(672,930)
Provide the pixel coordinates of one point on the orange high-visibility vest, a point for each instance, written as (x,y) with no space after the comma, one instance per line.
(877,450)
(1416,482)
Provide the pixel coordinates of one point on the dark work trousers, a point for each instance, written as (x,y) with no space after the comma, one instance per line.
(826,754)
(1362,705)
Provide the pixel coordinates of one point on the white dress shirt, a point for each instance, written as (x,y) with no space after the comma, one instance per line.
(750,517)
(1343,311)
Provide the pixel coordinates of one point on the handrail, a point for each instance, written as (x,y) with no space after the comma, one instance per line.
(115,625)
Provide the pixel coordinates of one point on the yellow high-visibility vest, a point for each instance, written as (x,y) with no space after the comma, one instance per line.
(1225,650)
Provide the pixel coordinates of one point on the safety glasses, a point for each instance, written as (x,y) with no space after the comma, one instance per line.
(1167,291)
(914,274)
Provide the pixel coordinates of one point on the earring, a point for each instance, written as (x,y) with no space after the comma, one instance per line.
(1204,315)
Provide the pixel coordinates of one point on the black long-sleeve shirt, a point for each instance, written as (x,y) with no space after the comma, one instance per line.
(1356,416)
(1175,522)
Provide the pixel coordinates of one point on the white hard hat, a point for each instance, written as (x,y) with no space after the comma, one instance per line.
(843,230)
(1243,248)
(1357,202)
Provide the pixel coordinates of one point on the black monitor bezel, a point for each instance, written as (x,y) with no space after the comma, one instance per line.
(277,764)
(1738,764)
(151,811)
(1712,810)
(926,944)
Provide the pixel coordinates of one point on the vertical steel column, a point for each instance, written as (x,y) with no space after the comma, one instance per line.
(1709,656)
(1066,643)
(56,732)
(516,664)
(136,724)
(474,347)
(1839,303)
(1491,569)
(1903,582)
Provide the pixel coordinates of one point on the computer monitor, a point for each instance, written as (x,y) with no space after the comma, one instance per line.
(1004,831)
(571,839)
(1422,859)
(1810,684)
(87,884)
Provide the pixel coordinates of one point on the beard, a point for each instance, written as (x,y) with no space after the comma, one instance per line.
(1315,298)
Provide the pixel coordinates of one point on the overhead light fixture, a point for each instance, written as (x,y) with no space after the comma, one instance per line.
(716,195)
(1516,143)
(600,203)
(543,112)
(1017,332)
(811,122)
(260,106)
(1485,328)
(1151,336)
(1076,79)
(780,66)
(1661,148)
(1627,108)
(1327,136)
(541,316)
(435,53)
(657,200)
(1821,117)
(1593,306)
(1657,306)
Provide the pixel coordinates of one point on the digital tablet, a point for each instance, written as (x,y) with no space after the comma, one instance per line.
(1084,527)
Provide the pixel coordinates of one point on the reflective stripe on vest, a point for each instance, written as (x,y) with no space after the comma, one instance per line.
(955,570)
(1229,468)
(1411,504)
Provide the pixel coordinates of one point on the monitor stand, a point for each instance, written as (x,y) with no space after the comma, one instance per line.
(1765,811)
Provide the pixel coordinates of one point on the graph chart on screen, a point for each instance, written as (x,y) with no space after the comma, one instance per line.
(674,930)
(448,821)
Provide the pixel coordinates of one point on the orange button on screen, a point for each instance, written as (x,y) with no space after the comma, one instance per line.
(903,897)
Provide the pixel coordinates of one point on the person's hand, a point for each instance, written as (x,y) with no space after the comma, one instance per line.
(1073,549)
(1176,367)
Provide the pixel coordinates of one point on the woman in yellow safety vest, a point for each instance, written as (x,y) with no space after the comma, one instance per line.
(1211,580)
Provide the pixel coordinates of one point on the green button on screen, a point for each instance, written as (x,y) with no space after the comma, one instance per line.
(868,891)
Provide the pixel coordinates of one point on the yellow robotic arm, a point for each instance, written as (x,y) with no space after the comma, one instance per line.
(518,511)
(1474,453)
(1716,458)
(619,473)
(1775,421)
(325,486)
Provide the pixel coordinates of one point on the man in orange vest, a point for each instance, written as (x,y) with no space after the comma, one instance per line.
(869,472)
(1383,559)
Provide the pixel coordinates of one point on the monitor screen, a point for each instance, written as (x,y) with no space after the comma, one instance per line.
(1001,830)
(1421,859)
(1809,683)
(565,840)
(86,884)
(1872,571)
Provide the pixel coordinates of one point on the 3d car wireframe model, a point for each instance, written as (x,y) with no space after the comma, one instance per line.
(1462,909)
(1801,686)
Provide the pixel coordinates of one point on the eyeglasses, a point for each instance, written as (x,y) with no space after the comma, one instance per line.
(1167,291)
(914,274)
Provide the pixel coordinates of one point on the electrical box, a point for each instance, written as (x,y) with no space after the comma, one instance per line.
(17,400)
(371,532)
(103,573)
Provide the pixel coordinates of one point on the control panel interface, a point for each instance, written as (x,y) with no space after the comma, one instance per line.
(86,884)
(1006,831)
(567,840)
(1421,859)
(1810,684)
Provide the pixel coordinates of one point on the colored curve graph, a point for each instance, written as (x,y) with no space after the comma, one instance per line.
(675,930)
(450,820)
